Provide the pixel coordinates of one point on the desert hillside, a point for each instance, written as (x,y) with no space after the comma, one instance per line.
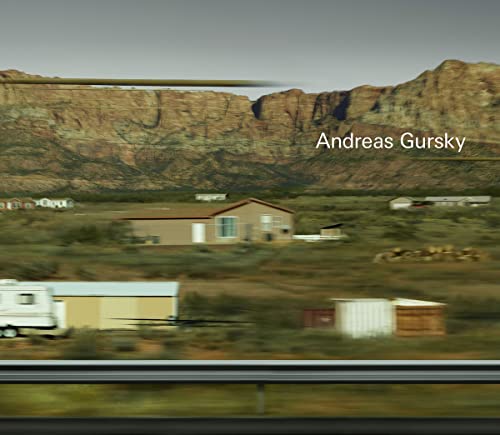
(91,139)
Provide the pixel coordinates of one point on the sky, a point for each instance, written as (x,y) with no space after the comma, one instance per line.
(313,45)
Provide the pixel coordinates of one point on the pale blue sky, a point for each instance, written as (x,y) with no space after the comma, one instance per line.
(314,45)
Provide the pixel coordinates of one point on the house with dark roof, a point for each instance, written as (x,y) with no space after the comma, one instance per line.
(249,220)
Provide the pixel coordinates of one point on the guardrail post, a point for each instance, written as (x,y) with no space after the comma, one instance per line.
(261,399)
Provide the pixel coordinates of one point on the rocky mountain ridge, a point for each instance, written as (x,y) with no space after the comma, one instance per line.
(55,138)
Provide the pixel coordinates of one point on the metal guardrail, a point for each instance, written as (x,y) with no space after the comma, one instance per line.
(259,373)
(251,372)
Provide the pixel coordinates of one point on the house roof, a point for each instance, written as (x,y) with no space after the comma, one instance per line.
(359,299)
(400,302)
(250,200)
(16,199)
(327,227)
(107,288)
(403,302)
(199,211)
(210,194)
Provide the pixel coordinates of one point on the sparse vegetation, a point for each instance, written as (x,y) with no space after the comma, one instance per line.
(84,345)
(268,286)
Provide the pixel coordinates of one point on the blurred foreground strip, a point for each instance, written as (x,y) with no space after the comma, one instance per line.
(247,426)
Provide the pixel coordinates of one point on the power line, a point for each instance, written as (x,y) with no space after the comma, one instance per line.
(138,82)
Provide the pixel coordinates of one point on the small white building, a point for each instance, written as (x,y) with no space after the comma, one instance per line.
(401,203)
(364,318)
(209,197)
(63,203)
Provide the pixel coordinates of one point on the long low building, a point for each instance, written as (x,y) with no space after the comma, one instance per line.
(112,304)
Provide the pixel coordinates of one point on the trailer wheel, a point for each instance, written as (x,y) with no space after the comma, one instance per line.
(10,332)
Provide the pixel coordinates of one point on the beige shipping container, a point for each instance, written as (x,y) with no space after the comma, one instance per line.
(115,305)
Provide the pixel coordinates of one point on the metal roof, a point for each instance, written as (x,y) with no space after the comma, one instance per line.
(327,227)
(403,302)
(108,288)
(409,198)
(359,299)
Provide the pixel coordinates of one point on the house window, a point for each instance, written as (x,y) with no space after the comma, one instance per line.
(277,221)
(266,222)
(25,298)
(226,226)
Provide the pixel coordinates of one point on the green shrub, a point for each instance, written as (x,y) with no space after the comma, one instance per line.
(226,304)
(401,231)
(147,332)
(123,344)
(235,334)
(85,345)
(36,339)
(194,304)
(85,274)
(36,271)
(118,232)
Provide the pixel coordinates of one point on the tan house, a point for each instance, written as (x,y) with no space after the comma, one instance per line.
(249,220)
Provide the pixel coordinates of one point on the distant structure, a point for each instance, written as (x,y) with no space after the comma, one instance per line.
(407,202)
(403,202)
(328,232)
(209,197)
(17,204)
(333,230)
(55,203)
(463,201)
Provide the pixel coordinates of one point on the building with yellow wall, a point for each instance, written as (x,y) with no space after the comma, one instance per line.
(113,305)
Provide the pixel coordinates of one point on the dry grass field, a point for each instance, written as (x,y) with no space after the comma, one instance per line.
(268,286)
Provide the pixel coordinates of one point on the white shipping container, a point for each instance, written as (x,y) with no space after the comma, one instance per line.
(364,318)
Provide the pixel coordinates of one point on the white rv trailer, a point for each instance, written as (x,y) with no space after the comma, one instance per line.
(26,306)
